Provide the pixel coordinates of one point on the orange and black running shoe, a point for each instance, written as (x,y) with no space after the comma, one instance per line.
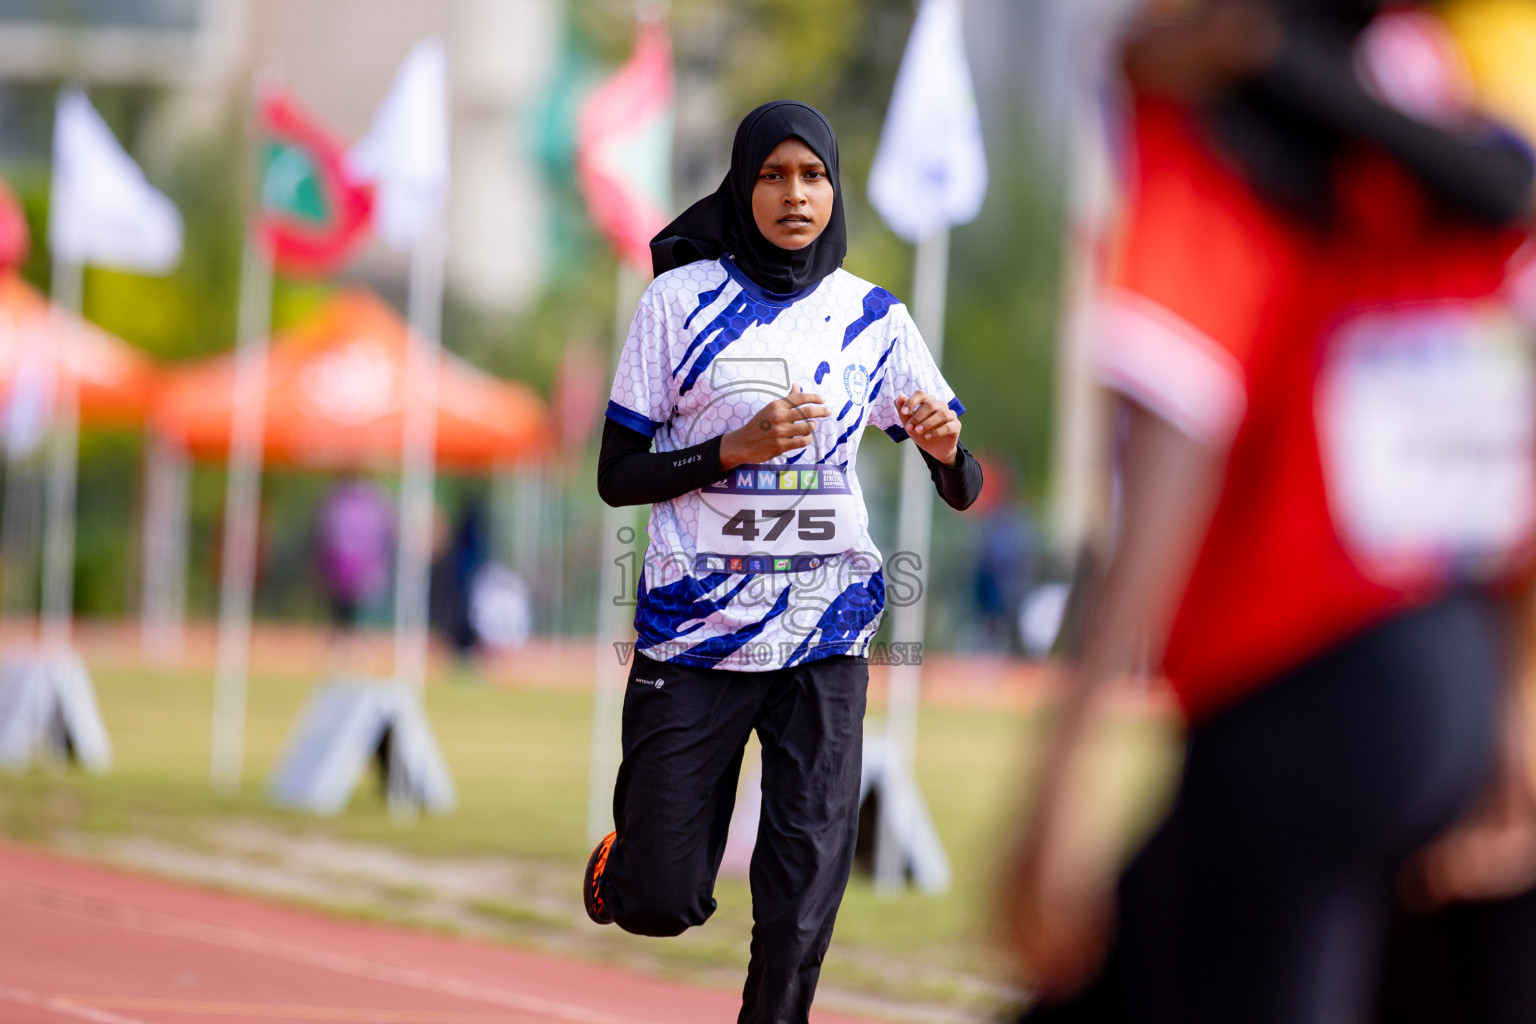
(592,882)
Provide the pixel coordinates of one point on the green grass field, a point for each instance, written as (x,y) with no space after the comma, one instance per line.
(519,758)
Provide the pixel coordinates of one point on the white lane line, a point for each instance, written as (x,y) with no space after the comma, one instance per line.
(45,897)
(283,1011)
(65,1007)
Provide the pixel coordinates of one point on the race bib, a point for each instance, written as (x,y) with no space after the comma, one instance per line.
(775,518)
(1427,424)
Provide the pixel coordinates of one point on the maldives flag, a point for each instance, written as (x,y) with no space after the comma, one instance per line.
(313,213)
(624,148)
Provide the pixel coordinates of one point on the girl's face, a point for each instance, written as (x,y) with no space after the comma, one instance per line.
(792,198)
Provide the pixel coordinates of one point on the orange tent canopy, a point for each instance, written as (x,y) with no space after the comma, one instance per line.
(336,395)
(116,381)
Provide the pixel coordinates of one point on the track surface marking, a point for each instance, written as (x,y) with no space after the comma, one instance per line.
(82,942)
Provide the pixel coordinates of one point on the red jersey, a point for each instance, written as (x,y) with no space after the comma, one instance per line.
(1375,390)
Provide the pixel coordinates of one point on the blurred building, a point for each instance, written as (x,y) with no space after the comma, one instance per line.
(339,57)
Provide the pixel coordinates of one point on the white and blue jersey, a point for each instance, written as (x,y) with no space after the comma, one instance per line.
(773,565)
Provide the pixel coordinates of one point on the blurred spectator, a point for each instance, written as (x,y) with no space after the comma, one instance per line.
(500,608)
(457,560)
(1041,618)
(354,542)
(1007,548)
(1326,501)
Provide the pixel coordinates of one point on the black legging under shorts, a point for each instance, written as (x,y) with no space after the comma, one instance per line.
(1263,898)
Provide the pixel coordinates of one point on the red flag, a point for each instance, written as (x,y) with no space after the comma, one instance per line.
(624,148)
(313,214)
(14,239)
(578,395)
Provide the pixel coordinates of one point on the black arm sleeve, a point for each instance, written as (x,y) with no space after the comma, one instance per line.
(629,473)
(1487,175)
(959,485)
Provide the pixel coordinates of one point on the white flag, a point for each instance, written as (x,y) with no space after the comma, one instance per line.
(406,151)
(930,170)
(103,211)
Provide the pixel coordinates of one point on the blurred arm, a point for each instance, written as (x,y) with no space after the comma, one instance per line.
(1057,908)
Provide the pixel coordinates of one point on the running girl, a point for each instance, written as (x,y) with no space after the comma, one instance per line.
(754,364)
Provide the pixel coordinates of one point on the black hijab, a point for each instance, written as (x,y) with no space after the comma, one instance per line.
(722,221)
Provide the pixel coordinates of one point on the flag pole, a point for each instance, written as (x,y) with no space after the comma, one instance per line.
(242,496)
(57,601)
(1079,490)
(418,457)
(101,211)
(615,610)
(616,587)
(20,521)
(913,536)
(59,540)
(163,611)
(418,468)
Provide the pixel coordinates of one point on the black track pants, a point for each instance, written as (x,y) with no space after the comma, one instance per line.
(1264,898)
(684,733)
(1470,963)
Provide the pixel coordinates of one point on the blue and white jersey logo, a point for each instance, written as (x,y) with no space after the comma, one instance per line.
(856,382)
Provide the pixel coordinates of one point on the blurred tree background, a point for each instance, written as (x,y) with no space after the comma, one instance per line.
(729,57)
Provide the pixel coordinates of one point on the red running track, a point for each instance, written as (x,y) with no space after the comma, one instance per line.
(81,942)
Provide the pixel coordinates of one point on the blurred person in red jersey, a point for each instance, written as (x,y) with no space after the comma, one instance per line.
(1325,515)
